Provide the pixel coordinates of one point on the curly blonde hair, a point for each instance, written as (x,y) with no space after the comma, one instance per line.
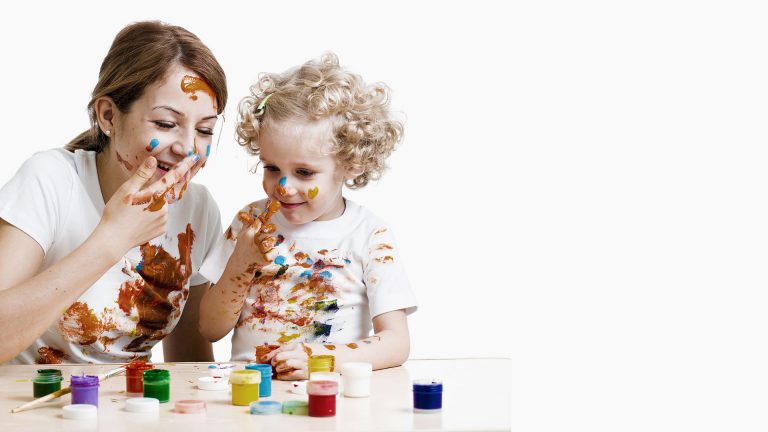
(364,132)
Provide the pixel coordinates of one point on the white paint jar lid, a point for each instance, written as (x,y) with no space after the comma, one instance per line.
(213,383)
(299,387)
(142,405)
(79,411)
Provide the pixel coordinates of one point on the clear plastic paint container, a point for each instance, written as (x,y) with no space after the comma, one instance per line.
(320,363)
(328,376)
(134,376)
(266,407)
(190,406)
(46,382)
(245,386)
(427,395)
(356,377)
(322,398)
(85,390)
(265,387)
(295,407)
(157,384)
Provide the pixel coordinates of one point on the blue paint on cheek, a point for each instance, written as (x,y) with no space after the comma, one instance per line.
(280,260)
(283,180)
(208,150)
(326,274)
(154,143)
(306,274)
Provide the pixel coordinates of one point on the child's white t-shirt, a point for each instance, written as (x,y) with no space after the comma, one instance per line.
(56,199)
(339,275)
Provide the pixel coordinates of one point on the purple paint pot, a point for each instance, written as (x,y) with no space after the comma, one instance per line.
(85,389)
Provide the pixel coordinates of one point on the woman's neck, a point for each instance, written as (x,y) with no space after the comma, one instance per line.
(107,168)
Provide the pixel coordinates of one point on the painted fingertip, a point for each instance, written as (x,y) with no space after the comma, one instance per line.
(195,157)
(153,143)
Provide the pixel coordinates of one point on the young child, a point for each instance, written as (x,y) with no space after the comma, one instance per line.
(326,271)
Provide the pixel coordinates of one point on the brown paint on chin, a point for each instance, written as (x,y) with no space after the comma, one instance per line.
(191,85)
(352,345)
(124,162)
(48,355)
(162,275)
(330,347)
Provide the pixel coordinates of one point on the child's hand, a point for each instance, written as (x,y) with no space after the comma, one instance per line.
(290,362)
(255,244)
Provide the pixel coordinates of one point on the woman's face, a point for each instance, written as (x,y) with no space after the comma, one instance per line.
(173,119)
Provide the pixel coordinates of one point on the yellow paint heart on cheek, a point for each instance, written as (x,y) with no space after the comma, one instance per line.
(312,193)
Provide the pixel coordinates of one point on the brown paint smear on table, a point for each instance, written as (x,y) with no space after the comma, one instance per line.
(162,275)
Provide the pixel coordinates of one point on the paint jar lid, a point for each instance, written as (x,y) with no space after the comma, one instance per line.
(84,381)
(295,407)
(139,365)
(325,376)
(48,376)
(266,407)
(212,383)
(157,376)
(221,369)
(264,368)
(322,388)
(245,377)
(357,369)
(299,387)
(190,406)
(142,405)
(79,411)
(428,386)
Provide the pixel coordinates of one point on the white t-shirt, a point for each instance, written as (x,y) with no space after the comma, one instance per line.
(56,199)
(339,274)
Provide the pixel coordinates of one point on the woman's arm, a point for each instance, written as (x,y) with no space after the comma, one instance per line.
(30,301)
(388,347)
(185,343)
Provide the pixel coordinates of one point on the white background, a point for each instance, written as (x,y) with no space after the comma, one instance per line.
(581,187)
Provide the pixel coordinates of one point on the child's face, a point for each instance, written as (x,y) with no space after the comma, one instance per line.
(166,122)
(299,174)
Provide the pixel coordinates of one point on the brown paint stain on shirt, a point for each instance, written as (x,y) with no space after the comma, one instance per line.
(352,345)
(80,324)
(48,355)
(162,275)
(330,347)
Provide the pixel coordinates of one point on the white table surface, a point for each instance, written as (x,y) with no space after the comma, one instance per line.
(476,396)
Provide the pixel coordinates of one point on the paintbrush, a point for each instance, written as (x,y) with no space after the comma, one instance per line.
(62,392)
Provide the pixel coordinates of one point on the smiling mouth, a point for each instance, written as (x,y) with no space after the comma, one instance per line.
(164,166)
(290,205)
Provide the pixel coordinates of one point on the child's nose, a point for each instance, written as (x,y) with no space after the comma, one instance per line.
(284,189)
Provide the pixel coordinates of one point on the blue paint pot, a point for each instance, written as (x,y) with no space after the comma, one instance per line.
(265,388)
(427,395)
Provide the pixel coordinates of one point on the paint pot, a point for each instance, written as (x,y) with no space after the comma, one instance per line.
(190,406)
(157,384)
(212,383)
(142,405)
(427,395)
(356,377)
(221,369)
(46,382)
(134,376)
(245,386)
(328,376)
(85,390)
(295,407)
(79,411)
(320,363)
(266,407)
(265,387)
(322,398)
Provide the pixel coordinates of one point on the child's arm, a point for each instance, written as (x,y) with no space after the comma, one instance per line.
(388,347)
(221,304)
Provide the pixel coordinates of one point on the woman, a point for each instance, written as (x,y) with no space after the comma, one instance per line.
(100,241)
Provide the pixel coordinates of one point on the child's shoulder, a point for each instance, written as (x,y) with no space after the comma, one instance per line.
(369,223)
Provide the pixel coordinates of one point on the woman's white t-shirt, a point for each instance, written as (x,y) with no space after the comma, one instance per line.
(56,199)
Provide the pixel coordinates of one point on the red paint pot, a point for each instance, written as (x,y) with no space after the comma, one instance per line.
(322,398)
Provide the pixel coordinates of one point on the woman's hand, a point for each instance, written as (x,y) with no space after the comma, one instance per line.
(127,222)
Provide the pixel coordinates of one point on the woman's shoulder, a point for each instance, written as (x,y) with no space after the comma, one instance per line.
(51,162)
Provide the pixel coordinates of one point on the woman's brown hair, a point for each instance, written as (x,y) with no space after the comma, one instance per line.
(140,55)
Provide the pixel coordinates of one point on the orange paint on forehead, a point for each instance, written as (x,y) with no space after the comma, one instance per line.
(191,85)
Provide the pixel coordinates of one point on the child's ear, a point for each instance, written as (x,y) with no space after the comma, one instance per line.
(352,173)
